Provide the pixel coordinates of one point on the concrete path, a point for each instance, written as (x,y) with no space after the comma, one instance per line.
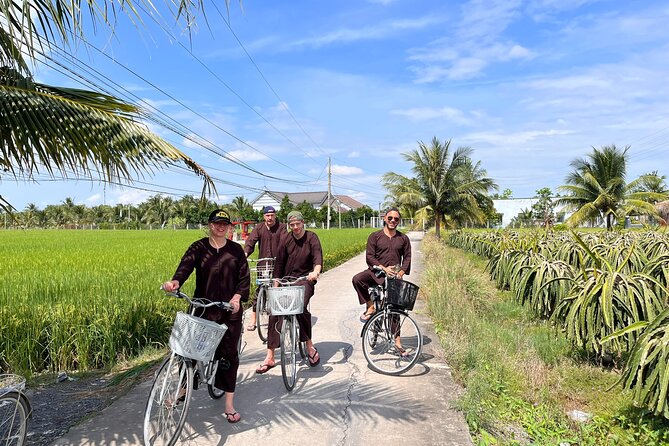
(341,402)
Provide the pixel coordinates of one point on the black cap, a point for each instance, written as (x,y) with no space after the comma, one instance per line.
(219,215)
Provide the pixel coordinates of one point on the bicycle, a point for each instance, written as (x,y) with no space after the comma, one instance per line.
(263,271)
(287,301)
(191,362)
(391,339)
(15,410)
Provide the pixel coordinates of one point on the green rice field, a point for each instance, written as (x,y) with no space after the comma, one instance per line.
(83,300)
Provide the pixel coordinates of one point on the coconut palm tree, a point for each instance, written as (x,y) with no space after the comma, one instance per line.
(158,209)
(597,189)
(445,187)
(69,131)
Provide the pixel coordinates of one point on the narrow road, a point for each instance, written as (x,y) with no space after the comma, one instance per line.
(340,402)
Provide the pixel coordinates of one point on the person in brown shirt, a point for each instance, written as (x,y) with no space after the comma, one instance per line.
(221,275)
(268,235)
(391,250)
(300,254)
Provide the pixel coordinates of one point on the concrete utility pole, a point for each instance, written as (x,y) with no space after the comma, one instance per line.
(329,189)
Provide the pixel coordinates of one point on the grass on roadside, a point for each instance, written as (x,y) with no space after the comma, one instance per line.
(521,376)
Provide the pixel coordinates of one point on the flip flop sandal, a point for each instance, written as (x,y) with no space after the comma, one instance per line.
(314,359)
(264,368)
(366,316)
(233,417)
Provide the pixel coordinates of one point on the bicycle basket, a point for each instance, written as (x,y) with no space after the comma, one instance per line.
(10,382)
(263,271)
(401,293)
(194,337)
(285,300)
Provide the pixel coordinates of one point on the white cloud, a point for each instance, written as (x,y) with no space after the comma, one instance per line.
(348,35)
(128,196)
(94,199)
(570,83)
(512,139)
(346,170)
(354,154)
(426,114)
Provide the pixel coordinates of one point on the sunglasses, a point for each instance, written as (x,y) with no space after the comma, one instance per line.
(393,219)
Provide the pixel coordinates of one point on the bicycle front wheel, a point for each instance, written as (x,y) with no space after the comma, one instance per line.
(14,413)
(289,347)
(214,392)
(391,342)
(168,403)
(262,315)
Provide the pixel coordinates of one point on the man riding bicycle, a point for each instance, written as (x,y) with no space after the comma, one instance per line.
(268,236)
(386,248)
(300,254)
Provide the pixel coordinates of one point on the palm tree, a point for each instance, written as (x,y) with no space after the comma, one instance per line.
(652,182)
(597,189)
(66,130)
(443,189)
(159,210)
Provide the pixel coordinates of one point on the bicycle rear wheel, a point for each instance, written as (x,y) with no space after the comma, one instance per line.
(391,342)
(14,413)
(262,315)
(168,403)
(289,347)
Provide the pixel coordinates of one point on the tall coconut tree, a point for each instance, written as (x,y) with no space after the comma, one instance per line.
(597,188)
(68,131)
(446,187)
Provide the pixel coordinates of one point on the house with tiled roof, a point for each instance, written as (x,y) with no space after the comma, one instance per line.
(316,199)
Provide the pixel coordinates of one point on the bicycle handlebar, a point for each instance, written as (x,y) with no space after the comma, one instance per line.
(181,295)
(380,272)
(264,259)
(290,280)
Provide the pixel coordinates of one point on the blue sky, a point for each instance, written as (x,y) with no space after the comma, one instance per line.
(529,85)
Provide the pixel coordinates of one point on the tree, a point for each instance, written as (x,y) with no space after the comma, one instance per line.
(242,209)
(596,188)
(97,134)
(443,189)
(308,211)
(652,182)
(544,209)
(524,219)
(506,194)
(284,208)
(158,209)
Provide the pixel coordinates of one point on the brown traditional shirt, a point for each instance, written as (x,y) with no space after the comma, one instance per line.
(297,257)
(389,251)
(219,273)
(269,239)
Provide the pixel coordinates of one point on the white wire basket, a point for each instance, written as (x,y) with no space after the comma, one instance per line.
(263,271)
(194,337)
(285,300)
(11,382)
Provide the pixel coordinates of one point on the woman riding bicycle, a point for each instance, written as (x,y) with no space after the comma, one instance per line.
(299,254)
(222,275)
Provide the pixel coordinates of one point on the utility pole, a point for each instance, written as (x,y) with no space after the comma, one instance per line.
(329,190)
